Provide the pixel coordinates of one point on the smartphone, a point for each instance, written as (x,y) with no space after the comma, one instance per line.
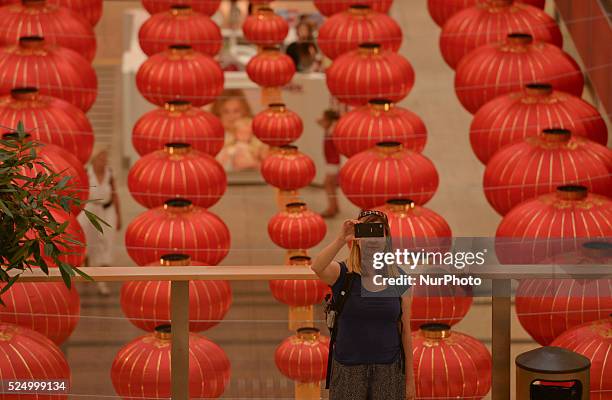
(369,229)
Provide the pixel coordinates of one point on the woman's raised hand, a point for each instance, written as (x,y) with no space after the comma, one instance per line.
(347,232)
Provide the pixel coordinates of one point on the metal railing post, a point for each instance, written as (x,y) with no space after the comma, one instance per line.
(180,340)
(500,335)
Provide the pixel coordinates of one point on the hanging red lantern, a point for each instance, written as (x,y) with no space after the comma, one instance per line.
(287,168)
(381,120)
(299,293)
(548,307)
(49,308)
(91,10)
(490,21)
(28,64)
(497,69)
(180,25)
(331,7)
(206,7)
(29,356)
(415,227)
(74,254)
(58,160)
(49,120)
(539,164)
(271,68)
(367,73)
(181,227)
(178,122)
(303,358)
(385,172)
(147,303)
(594,341)
(345,31)
(178,171)
(277,125)
(297,227)
(449,364)
(512,117)
(265,28)
(570,216)
(141,368)
(58,25)
(445,304)
(180,73)
(442,10)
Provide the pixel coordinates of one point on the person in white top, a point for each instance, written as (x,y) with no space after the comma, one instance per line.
(100,247)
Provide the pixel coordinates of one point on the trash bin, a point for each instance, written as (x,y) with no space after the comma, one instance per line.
(552,373)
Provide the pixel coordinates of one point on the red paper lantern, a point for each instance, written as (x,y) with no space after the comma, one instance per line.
(299,293)
(58,25)
(511,118)
(414,227)
(442,10)
(29,356)
(207,7)
(91,10)
(331,7)
(303,357)
(552,224)
(297,227)
(178,122)
(345,31)
(449,365)
(288,169)
(490,21)
(379,121)
(539,164)
(497,69)
(58,160)
(28,64)
(141,368)
(178,171)
(271,68)
(180,73)
(46,307)
(277,125)
(49,120)
(367,73)
(265,28)
(147,303)
(548,307)
(180,25)
(74,253)
(181,227)
(594,341)
(445,304)
(388,171)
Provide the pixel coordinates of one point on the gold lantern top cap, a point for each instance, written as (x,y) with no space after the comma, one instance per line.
(288,149)
(295,207)
(309,334)
(388,147)
(557,135)
(178,205)
(34,3)
(180,9)
(177,105)
(177,148)
(552,360)
(519,38)
(180,49)
(381,104)
(370,48)
(435,331)
(277,107)
(538,89)
(299,260)
(175,260)
(499,3)
(400,205)
(597,249)
(572,192)
(163,332)
(24,93)
(32,42)
(359,9)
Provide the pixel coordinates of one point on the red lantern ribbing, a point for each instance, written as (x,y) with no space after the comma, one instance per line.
(178,122)
(288,169)
(297,227)
(206,7)
(331,7)
(180,25)
(265,28)
(379,121)
(442,10)
(496,69)
(511,118)
(489,22)
(541,163)
(277,125)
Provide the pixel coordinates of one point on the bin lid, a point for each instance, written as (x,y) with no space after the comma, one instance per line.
(552,360)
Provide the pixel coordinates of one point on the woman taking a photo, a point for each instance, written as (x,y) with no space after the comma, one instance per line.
(368,357)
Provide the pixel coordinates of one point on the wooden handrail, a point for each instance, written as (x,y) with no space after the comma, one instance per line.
(271,272)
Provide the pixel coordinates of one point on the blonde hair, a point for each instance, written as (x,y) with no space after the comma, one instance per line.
(353,262)
(231,94)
